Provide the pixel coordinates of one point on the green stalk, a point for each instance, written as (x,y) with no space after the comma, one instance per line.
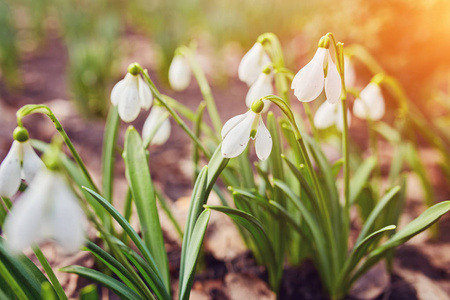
(13,284)
(172,112)
(204,88)
(44,109)
(51,275)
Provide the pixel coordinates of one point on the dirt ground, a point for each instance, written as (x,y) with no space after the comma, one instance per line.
(421,268)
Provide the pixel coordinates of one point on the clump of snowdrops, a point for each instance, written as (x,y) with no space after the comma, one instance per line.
(290,205)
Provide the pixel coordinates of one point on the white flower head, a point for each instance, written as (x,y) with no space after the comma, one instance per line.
(328,115)
(48,209)
(21,162)
(319,73)
(370,104)
(262,87)
(349,72)
(130,95)
(238,130)
(154,119)
(179,73)
(252,64)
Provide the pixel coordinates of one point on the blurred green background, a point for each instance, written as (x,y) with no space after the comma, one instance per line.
(408,38)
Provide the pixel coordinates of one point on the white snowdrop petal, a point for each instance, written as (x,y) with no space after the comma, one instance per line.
(325,115)
(332,82)
(262,87)
(231,123)
(32,164)
(237,138)
(10,171)
(67,218)
(25,224)
(129,104)
(360,109)
(117,92)
(252,63)
(309,81)
(370,104)
(263,141)
(163,133)
(349,72)
(179,73)
(145,94)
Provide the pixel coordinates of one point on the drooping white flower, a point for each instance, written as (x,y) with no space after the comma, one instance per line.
(349,72)
(48,209)
(130,95)
(370,104)
(328,115)
(154,118)
(319,73)
(252,64)
(238,130)
(262,87)
(21,162)
(179,73)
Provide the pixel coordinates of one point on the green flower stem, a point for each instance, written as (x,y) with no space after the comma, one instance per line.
(172,112)
(374,146)
(49,271)
(272,45)
(339,51)
(44,109)
(204,88)
(311,121)
(316,185)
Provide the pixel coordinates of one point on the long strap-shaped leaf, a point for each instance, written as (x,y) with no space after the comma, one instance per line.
(198,199)
(138,175)
(114,285)
(419,224)
(131,233)
(251,224)
(192,253)
(376,213)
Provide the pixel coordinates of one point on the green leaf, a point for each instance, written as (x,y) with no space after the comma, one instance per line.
(138,176)
(47,291)
(260,238)
(129,230)
(216,165)
(108,157)
(419,224)
(198,199)
(360,250)
(114,285)
(145,270)
(324,263)
(192,253)
(361,177)
(113,265)
(21,273)
(376,212)
(89,293)
(337,167)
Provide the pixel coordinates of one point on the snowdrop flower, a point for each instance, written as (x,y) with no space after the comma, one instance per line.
(238,130)
(370,104)
(48,209)
(252,64)
(330,114)
(262,87)
(349,72)
(320,72)
(21,162)
(163,132)
(179,73)
(131,94)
